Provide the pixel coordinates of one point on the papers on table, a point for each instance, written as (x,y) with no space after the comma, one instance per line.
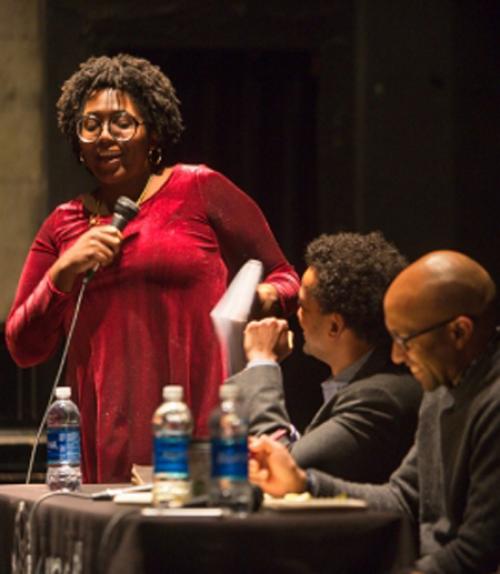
(306,502)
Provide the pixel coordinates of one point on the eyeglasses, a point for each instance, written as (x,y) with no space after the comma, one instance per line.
(121,126)
(403,341)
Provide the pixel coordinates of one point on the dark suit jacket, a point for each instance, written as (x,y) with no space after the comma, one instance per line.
(360,434)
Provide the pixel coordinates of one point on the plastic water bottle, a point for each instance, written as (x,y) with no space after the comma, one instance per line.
(172,427)
(229,487)
(63,443)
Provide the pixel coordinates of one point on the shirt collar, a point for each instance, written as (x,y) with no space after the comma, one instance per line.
(348,374)
(337,382)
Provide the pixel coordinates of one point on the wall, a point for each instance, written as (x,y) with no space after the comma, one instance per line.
(23,190)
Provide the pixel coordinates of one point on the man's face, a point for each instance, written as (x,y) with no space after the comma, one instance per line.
(429,355)
(315,325)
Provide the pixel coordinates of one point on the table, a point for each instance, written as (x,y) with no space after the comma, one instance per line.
(89,536)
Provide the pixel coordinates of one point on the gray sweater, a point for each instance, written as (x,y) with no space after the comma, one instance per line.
(450,480)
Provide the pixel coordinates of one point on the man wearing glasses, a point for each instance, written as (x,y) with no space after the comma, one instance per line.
(440,312)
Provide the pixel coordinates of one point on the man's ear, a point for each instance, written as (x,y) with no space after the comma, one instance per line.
(336,324)
(461,330)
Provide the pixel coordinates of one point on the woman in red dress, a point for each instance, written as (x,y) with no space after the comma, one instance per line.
(144,320)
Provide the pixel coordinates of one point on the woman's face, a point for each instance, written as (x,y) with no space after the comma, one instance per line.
(112,161)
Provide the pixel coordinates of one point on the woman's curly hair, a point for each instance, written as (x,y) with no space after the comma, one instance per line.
(145,83)
(353,274)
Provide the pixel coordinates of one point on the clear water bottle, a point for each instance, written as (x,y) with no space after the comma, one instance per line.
(63,443)
(229,487)
(172,428)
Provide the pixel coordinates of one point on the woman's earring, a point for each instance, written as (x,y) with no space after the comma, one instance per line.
(81,158)
(155,156)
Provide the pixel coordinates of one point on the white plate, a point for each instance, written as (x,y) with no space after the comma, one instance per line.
(314,503)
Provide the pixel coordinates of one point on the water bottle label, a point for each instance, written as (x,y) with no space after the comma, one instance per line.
(230,458)
(63,446)
(171,456)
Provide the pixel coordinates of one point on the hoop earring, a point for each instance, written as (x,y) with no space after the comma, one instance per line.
(155,156)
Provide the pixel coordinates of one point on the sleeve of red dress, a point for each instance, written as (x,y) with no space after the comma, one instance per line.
(243,233)
(34,326)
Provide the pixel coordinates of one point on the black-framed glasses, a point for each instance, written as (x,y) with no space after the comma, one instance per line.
(122,127)
(403,341)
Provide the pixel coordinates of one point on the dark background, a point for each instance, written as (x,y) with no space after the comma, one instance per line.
(334,115)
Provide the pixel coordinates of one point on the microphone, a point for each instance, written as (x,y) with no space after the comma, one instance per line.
(124,211)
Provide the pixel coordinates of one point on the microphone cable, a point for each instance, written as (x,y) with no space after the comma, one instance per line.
(57,378)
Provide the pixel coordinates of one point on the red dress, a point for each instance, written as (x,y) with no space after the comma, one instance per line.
(144,320)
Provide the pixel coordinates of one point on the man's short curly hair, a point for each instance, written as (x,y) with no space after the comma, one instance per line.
(145,83)
(353,274)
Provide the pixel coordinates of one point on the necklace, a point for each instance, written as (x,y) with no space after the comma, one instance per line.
(95,216)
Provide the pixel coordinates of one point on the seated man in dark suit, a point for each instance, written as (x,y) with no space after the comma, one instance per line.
(368,418)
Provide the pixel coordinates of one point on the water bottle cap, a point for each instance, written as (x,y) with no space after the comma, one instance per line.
(63,392)
(173,392)
(228,391)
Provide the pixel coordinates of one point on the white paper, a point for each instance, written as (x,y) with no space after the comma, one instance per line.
(231,314)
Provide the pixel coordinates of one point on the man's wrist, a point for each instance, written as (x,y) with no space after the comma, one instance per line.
(310,482)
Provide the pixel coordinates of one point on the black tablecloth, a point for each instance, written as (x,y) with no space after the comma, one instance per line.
(91,536)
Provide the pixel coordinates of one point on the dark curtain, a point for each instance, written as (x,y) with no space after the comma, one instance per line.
(252,116)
